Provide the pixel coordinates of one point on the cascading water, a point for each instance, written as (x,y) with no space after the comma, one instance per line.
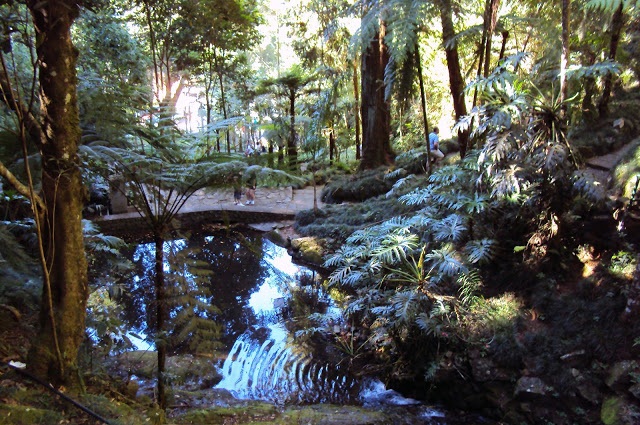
(263,365)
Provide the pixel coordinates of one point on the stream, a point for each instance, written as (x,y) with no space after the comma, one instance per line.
(250,288)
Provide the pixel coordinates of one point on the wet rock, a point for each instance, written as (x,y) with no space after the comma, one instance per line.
(308,249)
(586,387)
(619,375)
(635,391)
(485,369)
(529,385)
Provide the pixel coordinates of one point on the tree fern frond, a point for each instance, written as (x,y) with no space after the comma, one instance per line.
(612,5)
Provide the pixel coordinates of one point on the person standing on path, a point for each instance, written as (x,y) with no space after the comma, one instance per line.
(251,190)
(237,191)
(434,145)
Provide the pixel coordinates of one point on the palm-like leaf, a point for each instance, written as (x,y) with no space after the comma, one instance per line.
(406,305)
(480,251)
(451,228)
(446,261)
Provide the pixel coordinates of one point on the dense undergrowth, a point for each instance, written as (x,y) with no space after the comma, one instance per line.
(496,283)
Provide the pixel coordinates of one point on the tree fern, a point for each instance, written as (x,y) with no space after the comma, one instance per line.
(612,5)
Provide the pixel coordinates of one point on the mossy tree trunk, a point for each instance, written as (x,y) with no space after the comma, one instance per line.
(53,354)
(375,108)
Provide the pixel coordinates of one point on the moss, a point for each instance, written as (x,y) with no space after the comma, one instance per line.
(254,412)
(359,187)
(309,249)
(111,408)
(267,414)
(611,410)
(26,415)
(627,172)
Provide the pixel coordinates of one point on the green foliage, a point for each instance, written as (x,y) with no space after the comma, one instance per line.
(612,5)
(108,270)
(623,264)
(13,254)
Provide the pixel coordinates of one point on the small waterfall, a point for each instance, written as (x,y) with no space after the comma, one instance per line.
(262,365)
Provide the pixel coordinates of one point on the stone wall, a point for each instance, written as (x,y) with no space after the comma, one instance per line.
(132,223)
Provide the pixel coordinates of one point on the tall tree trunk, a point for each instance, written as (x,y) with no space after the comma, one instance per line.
(423,101)
(152,39)
(456,83)
(375,109)
(292,151)
(356,96)
(332,146)
(503,47)
(223,100)
(490,23)
(161,317)
(53,353)
(564,61)
(617,22)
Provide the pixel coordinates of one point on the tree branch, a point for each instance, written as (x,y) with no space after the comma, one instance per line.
(21,188)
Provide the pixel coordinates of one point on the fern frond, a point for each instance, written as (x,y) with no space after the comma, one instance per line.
(470,283)
(612,5)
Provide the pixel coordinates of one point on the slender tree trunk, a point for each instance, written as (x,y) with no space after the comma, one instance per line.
(617,22)
(492,15)
(332,146)
(356,96)
(456,83)
(161,317)
(503,47)
(152,41)
(292,151)
(223,100)
(564,61)
(423,101)
(53,353)
(376,115)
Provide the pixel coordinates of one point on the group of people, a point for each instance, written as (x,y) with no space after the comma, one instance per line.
(249,192)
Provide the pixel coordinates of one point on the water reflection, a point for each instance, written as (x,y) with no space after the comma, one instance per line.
(227,282)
